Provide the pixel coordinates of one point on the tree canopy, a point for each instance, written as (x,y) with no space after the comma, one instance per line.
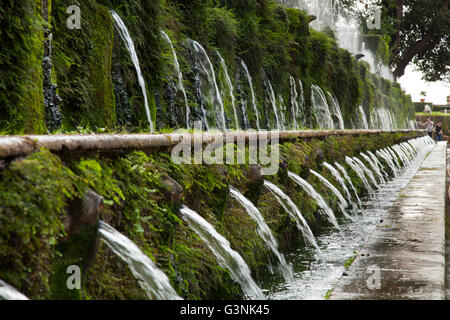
(418,32)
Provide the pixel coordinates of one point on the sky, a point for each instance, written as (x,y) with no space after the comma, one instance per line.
(413,84)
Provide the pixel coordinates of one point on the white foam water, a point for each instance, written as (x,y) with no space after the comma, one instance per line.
(264,232)
(154,282)
(324,208)
(125,36)
(227,257)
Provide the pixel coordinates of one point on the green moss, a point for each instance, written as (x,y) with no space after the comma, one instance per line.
(266,35)
(82,61)
(132,185)
(76,251)
(110,278)
(21,54)
(350,260)
(33,193)
(222,30)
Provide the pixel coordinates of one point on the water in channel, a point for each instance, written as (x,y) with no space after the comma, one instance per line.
(312,277)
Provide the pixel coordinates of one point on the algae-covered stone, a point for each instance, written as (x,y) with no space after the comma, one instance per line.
(82,61)
(21,56)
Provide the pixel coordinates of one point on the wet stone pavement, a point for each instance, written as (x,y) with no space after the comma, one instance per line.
(404,258)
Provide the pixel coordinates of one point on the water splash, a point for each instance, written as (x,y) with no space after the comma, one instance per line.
(374,120)
(264,232)
(366,171)
(385,119)
(374,166)
(336,112)
(363,124)
(283,112)
(52,100)
(359,172)
(154,282)
(389,151)
(270,95)
(301,96)
(126,38)
(378,163)
(388,159)
(406,151)
(294,102)
(339,179)
(227,257)
(401,153)
(349,180)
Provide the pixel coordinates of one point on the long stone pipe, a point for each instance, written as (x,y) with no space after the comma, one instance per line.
(15,146)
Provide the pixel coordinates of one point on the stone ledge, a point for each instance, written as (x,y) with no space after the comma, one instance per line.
(15,146)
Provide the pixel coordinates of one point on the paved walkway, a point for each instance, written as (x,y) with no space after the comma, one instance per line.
(447,230)
(405,256)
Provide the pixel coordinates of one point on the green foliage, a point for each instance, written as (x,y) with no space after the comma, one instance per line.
(320,45)
(82,62)
(33,194)
(34,252)
(99,87)
(100,179)
(419,35)
(301,56)
(21,54)
(222,30)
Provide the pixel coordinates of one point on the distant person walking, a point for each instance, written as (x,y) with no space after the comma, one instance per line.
(439,132)
(429,126)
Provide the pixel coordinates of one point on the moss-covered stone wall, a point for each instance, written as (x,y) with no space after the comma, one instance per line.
(21,54)
(35,193)
(99,87)
(82,62)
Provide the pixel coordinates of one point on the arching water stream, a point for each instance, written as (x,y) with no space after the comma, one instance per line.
(313,279)
(324,208)
(125,36)
(226,256)
(154,282)
(264,232)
